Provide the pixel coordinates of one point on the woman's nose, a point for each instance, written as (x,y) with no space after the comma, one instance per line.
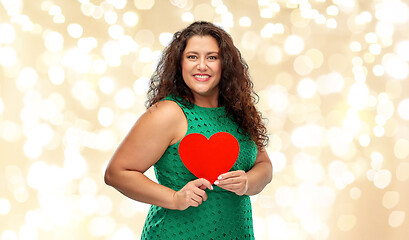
(202,66)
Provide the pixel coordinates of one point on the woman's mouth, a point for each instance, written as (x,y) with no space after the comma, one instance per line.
(201,77)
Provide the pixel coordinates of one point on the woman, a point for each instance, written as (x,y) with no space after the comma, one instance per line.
(201,85)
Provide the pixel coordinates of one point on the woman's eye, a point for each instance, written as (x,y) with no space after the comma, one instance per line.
(191,57)
(213,57)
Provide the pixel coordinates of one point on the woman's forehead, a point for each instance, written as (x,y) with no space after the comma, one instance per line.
(198,42)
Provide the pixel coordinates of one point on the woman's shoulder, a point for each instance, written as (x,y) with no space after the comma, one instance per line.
(166,107)
(165,118)
(162,118)
(170,109)
(165,113)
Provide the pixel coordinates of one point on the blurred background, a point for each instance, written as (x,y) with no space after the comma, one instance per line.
(332,76)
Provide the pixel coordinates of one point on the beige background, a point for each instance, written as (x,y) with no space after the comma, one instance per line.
(332,77)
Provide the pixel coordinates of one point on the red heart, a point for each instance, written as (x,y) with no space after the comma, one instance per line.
(209,158)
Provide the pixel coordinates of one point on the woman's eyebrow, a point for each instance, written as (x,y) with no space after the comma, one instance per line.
(208,53)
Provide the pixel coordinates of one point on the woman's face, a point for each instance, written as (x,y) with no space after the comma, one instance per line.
(201,66)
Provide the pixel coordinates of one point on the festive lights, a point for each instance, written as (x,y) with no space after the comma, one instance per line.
(332,79)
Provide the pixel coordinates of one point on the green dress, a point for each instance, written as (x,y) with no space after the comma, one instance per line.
(224,215)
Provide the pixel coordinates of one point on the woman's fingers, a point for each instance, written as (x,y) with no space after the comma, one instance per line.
(228,181)
(192,194)
(234,181)
(197,195)
(232,174)
(202,183)
(199,198)
(198,190)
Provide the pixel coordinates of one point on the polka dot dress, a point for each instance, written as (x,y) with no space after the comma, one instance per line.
(224,215)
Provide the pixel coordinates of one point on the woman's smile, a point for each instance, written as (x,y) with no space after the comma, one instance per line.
(202,77)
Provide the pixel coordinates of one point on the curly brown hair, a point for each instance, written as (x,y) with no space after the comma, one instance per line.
(236,91)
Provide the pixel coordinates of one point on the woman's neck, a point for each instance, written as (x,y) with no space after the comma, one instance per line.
(206,101)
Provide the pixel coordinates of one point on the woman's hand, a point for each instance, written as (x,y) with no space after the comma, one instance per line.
(234,181)
(192,194)
(251,182)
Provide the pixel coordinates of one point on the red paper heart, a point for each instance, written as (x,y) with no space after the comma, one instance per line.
(209,158)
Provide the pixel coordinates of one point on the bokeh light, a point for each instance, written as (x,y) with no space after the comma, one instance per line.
(332,77)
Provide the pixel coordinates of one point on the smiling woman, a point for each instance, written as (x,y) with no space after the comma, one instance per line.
(200,90)
(201,69)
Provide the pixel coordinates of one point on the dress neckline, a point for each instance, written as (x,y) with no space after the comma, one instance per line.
(208,108)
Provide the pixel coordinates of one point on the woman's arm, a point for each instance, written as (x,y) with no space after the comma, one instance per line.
(252,182)
(159,127)
(260,174)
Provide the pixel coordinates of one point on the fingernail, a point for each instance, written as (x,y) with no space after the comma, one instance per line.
(211,187)
(220,177)
(216,182)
